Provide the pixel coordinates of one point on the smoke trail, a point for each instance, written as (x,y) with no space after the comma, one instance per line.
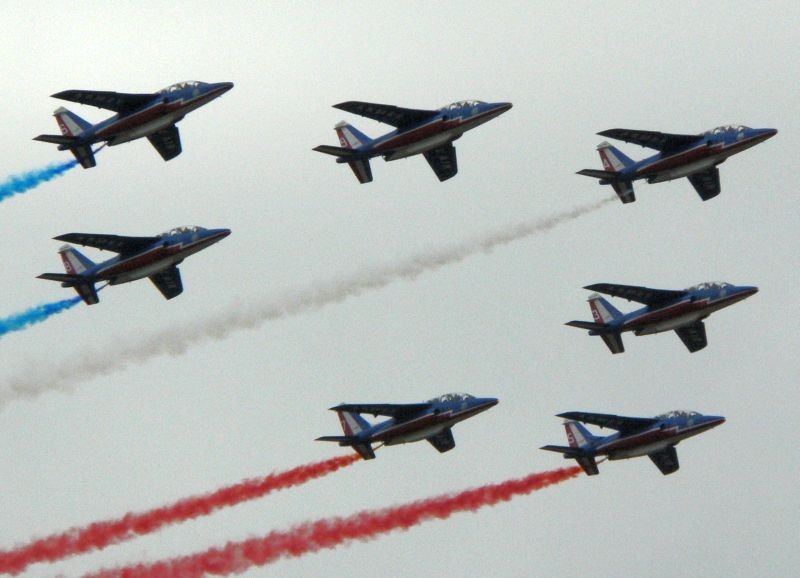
(173,341)
(17,184)
(236,557)
(102,534)
(37,314)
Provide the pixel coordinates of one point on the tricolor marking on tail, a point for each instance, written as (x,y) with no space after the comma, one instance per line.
(74,261)
(352,423)
(69,123)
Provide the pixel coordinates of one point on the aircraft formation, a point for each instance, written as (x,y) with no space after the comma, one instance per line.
(430,133)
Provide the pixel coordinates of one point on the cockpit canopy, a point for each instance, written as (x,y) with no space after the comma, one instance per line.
(179,230)
(180,86)
(451,397)
(678,413)
(727,128)
(462,104)
(709,285)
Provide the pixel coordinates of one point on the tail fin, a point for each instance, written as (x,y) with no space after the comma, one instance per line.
(72,127)
(74,261)
(351,139)
(614,161)
(578,436)
(349,136)
(580,447)
(71,124)
(352,423)
(604,312)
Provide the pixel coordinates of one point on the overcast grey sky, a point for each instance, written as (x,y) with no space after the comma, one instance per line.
(168,426)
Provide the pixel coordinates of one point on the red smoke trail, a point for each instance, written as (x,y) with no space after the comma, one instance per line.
(236,557)
(101,534)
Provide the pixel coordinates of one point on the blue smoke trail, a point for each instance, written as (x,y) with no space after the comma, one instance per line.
(37,314)
(16,184)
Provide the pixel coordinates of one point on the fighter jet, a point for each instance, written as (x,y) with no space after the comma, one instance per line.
(153,257)
(153,115)
(694,156)
(655,437)
(666,310)
(409,422)
(429,132)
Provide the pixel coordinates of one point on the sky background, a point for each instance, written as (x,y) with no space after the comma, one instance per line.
(492,325)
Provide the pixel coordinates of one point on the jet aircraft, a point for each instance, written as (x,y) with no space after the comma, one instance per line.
(694,156)
(655,437)
(153,115)
(666,310)
(429,132)
(154,257)
(411,422)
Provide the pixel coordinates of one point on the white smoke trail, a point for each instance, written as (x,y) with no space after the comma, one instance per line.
(63,376)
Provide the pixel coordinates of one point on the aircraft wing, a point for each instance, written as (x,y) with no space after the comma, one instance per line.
(120,102)
(666,460)
(167,142)
(168,282)
(706,183)
(443,441)
(693,336)
(398,411)
(386,113)
(115,243)
(443,161)
(660,141)
(645,295)
(623,425)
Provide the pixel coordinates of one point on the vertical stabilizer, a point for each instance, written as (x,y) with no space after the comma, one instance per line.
(74,261)
(602,310)
(615,161)
(352,423)
(577,435)
(70,123)
(349,136)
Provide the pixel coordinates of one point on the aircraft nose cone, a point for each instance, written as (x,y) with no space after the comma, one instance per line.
(218,234)
(748,291)
(487,402)
(715,420)
(221,87)
(502,107)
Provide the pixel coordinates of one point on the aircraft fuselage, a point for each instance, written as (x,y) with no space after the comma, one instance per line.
(431,134)
(162,255)
(161,113)
(681,313)
(652,440)
(393,432)
(708,152)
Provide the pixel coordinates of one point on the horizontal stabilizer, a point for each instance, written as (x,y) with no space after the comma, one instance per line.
(55,139)
(598,174)
(590,325)
(343,440)
(566,450)
(337,151)
(65,278)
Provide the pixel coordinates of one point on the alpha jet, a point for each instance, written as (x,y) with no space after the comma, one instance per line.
(666,310)
(694,156)
(427,132)
(154,257)
(655,437)
(410,422)
(152,114)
